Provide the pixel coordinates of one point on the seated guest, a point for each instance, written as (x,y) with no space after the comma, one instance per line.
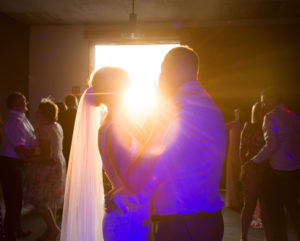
(18,139)
(251,142)
(281,130)
(67,122)
(47,177)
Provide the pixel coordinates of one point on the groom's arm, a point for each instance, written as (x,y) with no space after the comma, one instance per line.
(166,129)
(161,151)
(118,146)
(142,166)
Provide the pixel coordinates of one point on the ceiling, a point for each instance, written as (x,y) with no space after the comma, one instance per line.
(38,12)
(106,11)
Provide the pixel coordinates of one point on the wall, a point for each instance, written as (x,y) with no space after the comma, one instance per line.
(59,59)
(14,47)
(237,62)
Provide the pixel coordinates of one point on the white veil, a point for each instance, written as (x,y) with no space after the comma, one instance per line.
(84,195)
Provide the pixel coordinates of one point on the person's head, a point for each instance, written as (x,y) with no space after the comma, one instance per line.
(270,98)
(257,113)
(47,111)
(17,102)
(180,65)
(237,114)
(109,86)
(62,108)
(71,101)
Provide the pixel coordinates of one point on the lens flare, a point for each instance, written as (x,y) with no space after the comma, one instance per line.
(142,63)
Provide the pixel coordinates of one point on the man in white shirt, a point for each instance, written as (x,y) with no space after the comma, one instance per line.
(18,139)
(281,129)
(183,187)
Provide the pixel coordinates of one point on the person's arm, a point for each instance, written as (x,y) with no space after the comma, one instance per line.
(270,131)
(118,143)
(165,131)
(243,143)
(22,152)
(146,175)
(15,132)
(137,131)
(143,164)
(44,155)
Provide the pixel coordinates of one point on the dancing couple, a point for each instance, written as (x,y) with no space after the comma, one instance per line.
(164,187)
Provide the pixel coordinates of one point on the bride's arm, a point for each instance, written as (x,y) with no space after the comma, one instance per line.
(143,163)
(142,166)
(118,144)
(137,131)
(133,174)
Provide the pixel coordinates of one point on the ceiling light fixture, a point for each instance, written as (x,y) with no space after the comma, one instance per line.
(132,32)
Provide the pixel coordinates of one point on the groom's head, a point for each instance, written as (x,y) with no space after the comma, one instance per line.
(180,65)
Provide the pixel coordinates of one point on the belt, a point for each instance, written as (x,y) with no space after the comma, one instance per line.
(155,219)
(199,215)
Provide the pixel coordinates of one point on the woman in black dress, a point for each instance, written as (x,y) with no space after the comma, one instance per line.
(251,142)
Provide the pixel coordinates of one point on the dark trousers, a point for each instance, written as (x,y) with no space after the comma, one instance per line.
(11,182)
(209,226)
(254,186)
(283,193)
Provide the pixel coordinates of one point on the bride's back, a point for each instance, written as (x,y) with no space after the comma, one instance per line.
(115,168)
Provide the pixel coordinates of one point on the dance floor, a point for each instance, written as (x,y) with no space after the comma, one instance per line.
(32,221)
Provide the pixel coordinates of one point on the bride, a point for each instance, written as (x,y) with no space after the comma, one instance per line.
(84,218)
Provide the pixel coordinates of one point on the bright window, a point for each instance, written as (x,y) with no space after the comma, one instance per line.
(142,63)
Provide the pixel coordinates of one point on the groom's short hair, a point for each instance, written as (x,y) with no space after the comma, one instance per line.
(181,56)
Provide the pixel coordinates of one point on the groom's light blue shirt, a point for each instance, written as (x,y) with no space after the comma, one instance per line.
(186,176)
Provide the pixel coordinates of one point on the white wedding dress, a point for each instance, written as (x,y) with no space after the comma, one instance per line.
(84,217)
(118,226)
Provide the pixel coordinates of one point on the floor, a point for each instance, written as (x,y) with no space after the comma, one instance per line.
(32,221)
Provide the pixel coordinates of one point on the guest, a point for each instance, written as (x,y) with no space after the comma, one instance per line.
(47,177)
(18,140)
(251,142)
(183,187)
(62,108)
(67,122)
(233,197)
(281,130)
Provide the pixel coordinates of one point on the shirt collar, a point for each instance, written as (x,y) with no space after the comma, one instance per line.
(20,114)
(188,88)
(279,106)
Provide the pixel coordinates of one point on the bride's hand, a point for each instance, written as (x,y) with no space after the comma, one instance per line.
(110,205)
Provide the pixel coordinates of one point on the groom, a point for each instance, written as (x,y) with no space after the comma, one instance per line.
(181,184)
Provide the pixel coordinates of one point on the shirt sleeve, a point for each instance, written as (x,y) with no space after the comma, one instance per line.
(164,168)
(16,133)
(270,131)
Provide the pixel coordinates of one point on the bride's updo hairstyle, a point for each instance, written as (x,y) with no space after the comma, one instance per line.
(107,83)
